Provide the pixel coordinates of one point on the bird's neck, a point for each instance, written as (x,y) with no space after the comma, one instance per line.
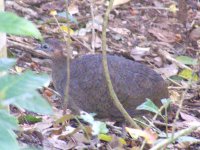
(59,64)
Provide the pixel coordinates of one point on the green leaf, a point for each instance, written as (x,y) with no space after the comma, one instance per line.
(166,102)
(187,74)
(20,90)
(149,106)
(87,117)
(186,60)
(30,119)
(31,101)
(97,126)
(12,24)
(16,85)
(104,137)
(7,121)
(6,63)
(176,78)
(8,140)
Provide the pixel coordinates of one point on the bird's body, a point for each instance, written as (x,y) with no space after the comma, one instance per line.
(133,82)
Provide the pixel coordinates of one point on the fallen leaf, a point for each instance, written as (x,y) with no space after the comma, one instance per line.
(115,143)
(48,93)
(105,137)
(122,31)
(60,144)
(73,9)
(138,52)
(188,74)
(163,35)
(188,118)
(97,41)
(158,61)
(118,2)
(187,60)
(64,118)
(53,5)
(147,134)
(172,8)
(185,141)
(175,96)
(19,69)
(53,12)
(195,34)
(168,70)
(67,30)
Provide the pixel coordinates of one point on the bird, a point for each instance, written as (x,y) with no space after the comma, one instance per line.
(133,82)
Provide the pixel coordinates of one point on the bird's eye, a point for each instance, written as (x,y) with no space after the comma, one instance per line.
(45,46)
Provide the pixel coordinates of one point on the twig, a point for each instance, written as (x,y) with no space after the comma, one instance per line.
(176,83)
(82,127)
(67,39)
(180,106)
(142,8)
(170,58)
(177,135)
(66,95)
(177,88)
(93,31)
(83,44)
(15,6)
(106,71)
(27,48)
(143,144)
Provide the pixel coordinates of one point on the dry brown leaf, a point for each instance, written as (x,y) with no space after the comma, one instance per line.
(60,144)
(44,125)
(139,52)
(115,143)
(80,138)
(19,69)
(73,9)
(195,34)
(168,70)
(119,2)
(158,61)
(188,118)
(163,35)
(48,93)
(53,5)
(147,134)
(122,31)
(178,38)
(97,41)
(175,96)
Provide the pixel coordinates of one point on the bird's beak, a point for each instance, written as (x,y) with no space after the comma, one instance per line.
(41,52)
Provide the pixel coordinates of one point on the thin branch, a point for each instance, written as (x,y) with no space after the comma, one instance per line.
(106,71)
(67,40)
(93,30)
(171,139)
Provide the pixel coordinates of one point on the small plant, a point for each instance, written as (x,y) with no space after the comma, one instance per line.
(18,90)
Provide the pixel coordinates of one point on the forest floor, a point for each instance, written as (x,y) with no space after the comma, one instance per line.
(153,32)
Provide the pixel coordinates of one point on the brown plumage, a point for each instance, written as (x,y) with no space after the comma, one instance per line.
(133,82)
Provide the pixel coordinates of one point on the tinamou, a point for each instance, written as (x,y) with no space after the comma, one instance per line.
(133,82)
